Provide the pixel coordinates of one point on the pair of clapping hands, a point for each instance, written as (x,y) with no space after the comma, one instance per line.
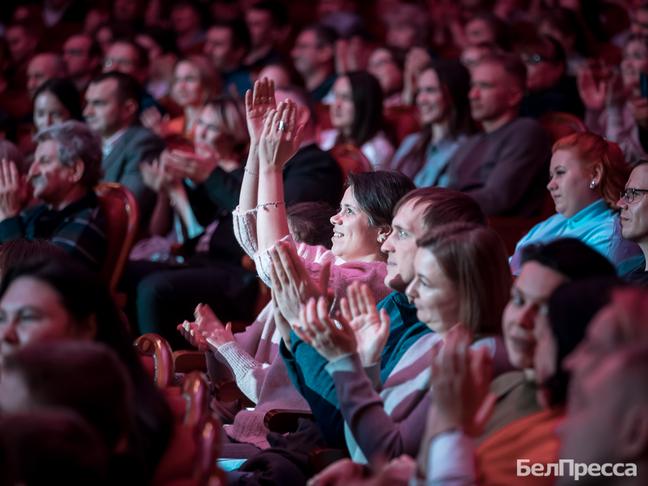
(172,166)
(305,308)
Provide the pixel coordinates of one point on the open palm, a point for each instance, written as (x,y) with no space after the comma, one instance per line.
(257,104)
(370,326)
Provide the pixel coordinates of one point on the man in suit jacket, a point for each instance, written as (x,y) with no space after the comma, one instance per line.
(112,104)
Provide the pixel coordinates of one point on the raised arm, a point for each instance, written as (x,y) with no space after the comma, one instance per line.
(278,143)
(257,105)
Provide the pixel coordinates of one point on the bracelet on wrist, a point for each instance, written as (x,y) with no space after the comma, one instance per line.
(267,206)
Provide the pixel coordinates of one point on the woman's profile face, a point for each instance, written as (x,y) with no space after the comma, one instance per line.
(353,237)
(187,87)
(48,111)
(342,109)
(569,183)
(433,293)
(31,311)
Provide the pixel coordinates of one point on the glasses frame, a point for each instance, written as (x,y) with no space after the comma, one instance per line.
(629,194)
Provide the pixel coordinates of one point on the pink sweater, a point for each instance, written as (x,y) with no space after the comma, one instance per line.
(252,357)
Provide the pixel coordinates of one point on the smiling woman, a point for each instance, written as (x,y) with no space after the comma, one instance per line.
(442,103)
(586,175)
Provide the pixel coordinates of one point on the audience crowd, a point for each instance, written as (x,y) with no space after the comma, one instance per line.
(257,242)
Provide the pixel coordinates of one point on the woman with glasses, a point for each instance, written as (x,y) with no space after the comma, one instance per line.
(586,175)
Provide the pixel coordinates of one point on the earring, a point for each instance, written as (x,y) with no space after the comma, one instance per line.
(381,238)
(592,184)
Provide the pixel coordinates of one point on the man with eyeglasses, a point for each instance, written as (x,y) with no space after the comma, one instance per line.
(633,204)
(549,88)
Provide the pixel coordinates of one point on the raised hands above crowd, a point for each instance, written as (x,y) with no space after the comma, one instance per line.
(258,102)
(280,138)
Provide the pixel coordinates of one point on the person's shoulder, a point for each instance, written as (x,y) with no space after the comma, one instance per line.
(139,134)
(411,139)
(523,124)
(638,276)
(311,156)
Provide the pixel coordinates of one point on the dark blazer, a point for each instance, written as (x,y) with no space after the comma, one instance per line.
(136,145)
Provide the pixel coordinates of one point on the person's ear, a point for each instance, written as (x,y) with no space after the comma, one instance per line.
(78,168)
(517,94)
(597,174)
(325,54)
(383,233)
(86,329)
(303,116)
(129,109)
(633,432)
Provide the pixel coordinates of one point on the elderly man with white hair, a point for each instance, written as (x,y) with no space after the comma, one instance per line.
(66,167)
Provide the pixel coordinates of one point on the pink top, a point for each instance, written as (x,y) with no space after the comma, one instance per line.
(251,358)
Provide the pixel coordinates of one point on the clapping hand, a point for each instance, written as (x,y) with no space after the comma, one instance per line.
(330,337)
(292,285)
(594,94)
(154,175)
(280,138)
(11,190)
(181,164)
(460,379)
(152,119)
(206,329)
(371,328)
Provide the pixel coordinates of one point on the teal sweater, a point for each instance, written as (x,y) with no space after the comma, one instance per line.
(307,369)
